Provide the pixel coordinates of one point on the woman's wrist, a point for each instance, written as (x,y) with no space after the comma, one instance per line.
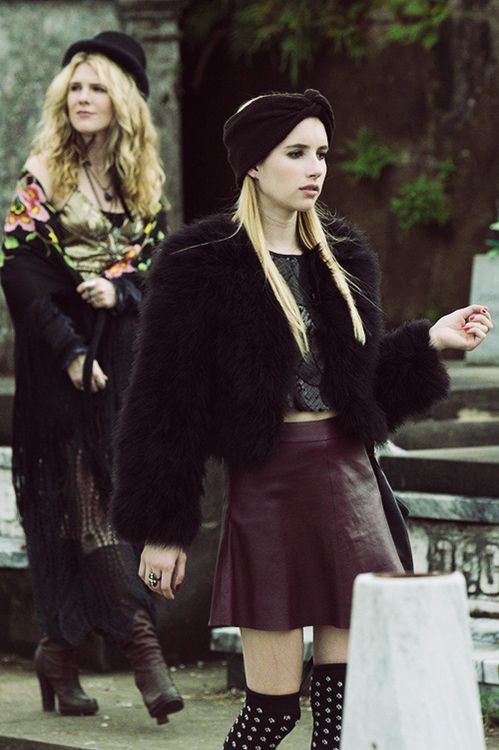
(434,339)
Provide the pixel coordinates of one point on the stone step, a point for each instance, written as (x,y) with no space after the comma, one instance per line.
(472,471)
(484,631)
(448,433)
(473,388)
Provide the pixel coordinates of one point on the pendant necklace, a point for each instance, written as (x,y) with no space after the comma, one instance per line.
(108,196)
(115,233)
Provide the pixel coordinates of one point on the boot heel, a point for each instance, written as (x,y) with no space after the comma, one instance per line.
(47,691)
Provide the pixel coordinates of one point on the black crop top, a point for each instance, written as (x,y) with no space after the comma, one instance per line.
(306,394)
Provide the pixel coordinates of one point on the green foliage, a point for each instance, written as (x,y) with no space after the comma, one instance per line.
(300,30)
(297,30)
(490,711)
(417,21)
(424,201)
(370,156)
(493,244)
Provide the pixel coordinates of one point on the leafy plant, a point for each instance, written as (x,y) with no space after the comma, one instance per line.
(493,243)
(417,21)
(370,156)
(298,31)
(490,711)
(424,201)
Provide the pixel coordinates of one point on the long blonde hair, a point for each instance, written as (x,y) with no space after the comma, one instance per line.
(132,141)
(312,234)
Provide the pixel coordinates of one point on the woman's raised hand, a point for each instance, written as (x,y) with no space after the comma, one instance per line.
(98,292)
(75,371)
(162,569)
(462,329)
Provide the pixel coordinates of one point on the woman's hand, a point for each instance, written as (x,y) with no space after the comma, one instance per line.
(98,380)
(462,329)
(98,292)
(167,564)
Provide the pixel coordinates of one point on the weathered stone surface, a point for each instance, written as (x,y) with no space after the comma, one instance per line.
(451,507)
(473,549)
(448,433)
(485,290)
(411,682)
(155,24)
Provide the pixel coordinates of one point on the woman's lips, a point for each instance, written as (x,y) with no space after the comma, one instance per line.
(310,190)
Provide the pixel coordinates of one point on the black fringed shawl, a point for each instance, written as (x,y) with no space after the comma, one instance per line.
(54,423)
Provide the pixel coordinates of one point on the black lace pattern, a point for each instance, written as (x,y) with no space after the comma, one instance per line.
(306,394)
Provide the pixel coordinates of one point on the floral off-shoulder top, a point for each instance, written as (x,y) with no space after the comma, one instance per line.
(84,240)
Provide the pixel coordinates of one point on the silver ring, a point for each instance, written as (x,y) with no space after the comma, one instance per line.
(153,579)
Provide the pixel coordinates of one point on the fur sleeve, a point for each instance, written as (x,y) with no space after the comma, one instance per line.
(162,438)
(410,376)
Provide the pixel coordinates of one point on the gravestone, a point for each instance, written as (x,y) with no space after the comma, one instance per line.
(485,290)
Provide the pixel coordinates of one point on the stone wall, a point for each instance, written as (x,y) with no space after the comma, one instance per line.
(33,39)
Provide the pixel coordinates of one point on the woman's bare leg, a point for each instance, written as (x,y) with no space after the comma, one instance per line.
(273,660)
(330,645)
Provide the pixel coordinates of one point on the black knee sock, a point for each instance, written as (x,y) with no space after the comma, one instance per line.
(326,696)
(263,721)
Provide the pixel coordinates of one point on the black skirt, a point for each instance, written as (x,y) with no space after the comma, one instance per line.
(297,532)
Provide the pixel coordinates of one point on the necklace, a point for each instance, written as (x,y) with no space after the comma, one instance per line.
(115,233)
(106,189)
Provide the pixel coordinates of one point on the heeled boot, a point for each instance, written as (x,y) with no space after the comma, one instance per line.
(57,672)
(151,674)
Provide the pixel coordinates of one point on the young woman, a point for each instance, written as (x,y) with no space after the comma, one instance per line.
(262,343)
(87,212)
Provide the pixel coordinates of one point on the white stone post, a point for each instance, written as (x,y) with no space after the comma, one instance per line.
(411,683)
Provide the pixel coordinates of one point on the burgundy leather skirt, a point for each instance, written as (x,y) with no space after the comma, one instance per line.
(297,532)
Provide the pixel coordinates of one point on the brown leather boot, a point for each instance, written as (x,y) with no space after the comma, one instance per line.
(152,677)
(57,671)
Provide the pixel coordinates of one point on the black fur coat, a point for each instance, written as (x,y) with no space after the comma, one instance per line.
(215,362)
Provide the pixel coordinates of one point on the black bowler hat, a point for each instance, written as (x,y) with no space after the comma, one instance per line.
(122,49)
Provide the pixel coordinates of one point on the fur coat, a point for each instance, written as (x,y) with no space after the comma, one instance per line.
(215,361)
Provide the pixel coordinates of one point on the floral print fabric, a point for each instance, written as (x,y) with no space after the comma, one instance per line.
(32,219)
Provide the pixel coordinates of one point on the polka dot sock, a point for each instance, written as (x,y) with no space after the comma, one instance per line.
(326,696)
(263,721)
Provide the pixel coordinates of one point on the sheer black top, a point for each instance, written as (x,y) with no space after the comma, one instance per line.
(306,394)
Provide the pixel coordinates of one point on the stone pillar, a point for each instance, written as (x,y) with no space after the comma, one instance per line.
(155,24)
(410,681)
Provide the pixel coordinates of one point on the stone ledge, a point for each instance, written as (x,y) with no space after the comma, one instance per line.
(13,553)
(446,507)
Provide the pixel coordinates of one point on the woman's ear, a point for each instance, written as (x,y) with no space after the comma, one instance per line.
(253,172)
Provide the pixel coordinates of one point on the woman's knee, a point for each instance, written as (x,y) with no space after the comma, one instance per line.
(273,660)
(330,645)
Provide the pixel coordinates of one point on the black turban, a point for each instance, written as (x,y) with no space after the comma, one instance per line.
(253,132)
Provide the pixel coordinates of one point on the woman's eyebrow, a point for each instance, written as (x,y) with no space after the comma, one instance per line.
(304,145)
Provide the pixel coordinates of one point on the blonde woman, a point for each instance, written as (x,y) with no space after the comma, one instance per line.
(87,213)
(282,369)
